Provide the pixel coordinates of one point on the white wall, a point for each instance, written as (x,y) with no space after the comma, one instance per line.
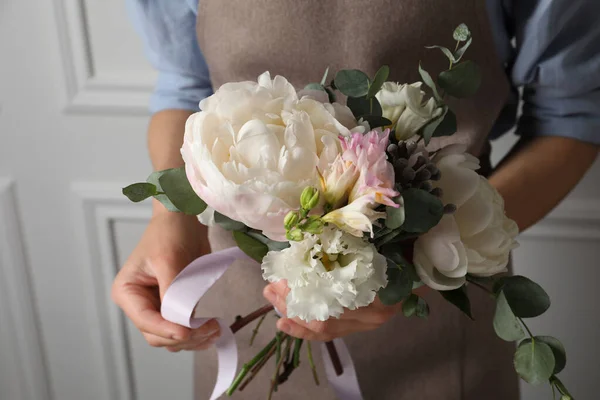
(74,86)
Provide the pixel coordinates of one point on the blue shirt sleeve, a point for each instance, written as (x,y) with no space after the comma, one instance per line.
(557,63)
(168,30)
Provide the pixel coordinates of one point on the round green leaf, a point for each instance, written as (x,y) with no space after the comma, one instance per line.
(526,298)
(506,325)
(558,350)
(352,82)
(462,80)
(409,306)
(154,179)
(139,191)
(534,361)
(176,186)
(423,210)
(461,33)
(314,86)
(422,310)
(361,106)
(380,77)
(228,223)
(249,245)
(447,52)
(395,215)
(399,285)
(459,298)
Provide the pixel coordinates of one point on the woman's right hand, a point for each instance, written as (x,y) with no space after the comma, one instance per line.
(171,241)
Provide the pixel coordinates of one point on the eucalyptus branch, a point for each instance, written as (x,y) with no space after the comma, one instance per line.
(527,329)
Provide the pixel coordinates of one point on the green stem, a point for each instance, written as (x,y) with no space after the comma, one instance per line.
(249,366)
(297,346)
(455,48)
(560,386)
(312,363)
(526,328)
(255,331)
(278,367)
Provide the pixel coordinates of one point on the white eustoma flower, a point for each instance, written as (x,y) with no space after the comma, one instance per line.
(477,239)
(404,106)
(256,145)
(327,273)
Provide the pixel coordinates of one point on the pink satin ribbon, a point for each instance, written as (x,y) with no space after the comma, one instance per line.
(179,303)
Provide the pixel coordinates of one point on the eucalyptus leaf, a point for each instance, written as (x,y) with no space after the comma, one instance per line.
(526,298)
(380,77)
(409,306)
(429,129)
(422,310)
(361,106)
(429,82)
(376,121)
(558,350)
(423,210)
(460,52)
(461,33)
(176,186)
(153,178)
(534,361)
(228,223)
(447,52)
(395,215)
(271,244)
(139,191)
(459,298)
(462,80)
(399,285)
(324,79)
(314,86)
(352,82)
(506,325)
(445,125)
(251,246)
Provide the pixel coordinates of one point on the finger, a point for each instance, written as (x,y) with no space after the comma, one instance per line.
(321,330)
(371,314)
(275,295)
(198,344)
(158,341)
(141,305)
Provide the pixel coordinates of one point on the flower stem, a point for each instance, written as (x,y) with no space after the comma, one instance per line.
(248,366)
(242,322)
(312,363)
(278,367)
(297,346)
(335,358)
(254,371)
(255,331)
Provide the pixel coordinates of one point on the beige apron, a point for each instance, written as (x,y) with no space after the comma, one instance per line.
(446,356)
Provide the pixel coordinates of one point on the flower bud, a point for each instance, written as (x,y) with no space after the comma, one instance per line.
(294,235)
(290,220)
(309,198)
(314,225)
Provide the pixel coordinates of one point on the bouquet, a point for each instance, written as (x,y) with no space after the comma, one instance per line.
(346,203)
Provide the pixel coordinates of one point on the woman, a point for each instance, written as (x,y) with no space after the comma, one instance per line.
(199,46)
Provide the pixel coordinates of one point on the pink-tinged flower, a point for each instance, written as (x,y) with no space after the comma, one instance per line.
(376,174)
(357,217)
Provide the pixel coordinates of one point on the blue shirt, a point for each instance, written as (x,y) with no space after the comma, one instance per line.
(549,48)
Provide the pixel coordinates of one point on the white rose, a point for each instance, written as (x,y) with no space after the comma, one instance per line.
(255,146)
(327,273)
(404,106)
(477,239)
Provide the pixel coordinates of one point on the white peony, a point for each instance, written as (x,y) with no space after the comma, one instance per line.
(327,273)
(477,239)
(404,106)
(255,146)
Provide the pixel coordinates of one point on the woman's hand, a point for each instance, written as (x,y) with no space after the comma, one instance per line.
(352,321)
(171,241)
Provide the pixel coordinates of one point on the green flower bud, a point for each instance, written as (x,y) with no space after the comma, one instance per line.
(294,235)
(314,225)
(290,220)
(309,198)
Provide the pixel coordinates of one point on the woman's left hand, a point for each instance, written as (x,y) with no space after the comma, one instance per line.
(351,321)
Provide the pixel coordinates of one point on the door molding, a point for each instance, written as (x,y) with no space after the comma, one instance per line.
(87,91)
(100,205)
(18,302)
